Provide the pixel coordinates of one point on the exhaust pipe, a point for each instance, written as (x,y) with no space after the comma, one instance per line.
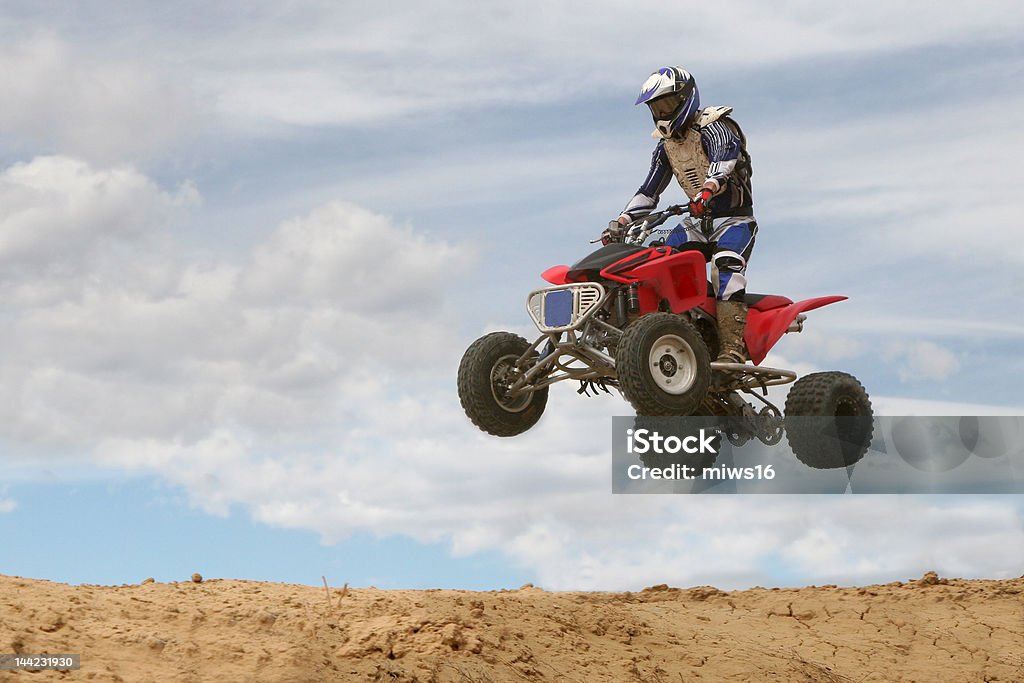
(797,325)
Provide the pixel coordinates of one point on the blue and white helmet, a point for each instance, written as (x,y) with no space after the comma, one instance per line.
(671,93)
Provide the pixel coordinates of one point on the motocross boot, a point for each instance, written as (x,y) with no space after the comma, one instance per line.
(732,318)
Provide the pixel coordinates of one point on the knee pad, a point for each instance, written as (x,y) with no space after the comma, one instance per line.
(728,273)
(729,262)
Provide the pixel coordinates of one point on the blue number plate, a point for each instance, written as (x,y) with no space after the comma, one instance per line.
(558,308)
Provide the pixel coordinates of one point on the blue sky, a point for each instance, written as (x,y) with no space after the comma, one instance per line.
(242,247)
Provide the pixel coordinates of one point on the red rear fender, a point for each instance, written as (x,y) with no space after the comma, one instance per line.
(817,302)
(765,328)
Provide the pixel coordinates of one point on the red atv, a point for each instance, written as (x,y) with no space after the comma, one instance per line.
(642,319)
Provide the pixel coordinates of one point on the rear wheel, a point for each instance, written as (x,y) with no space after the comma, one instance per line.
(663,365)
(487,371)
(841,433)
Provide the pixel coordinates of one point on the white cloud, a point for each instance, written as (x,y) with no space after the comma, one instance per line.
(904,178)
(60,97)
(336,64)
(951,538)
(342,64)
(8,505)
(59,215)
(162,345)
(633,541)
(921,360)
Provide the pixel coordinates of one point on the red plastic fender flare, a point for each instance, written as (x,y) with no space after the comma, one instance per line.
(765,328)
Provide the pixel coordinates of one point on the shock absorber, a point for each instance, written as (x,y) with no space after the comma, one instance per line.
(633,299)
(620,308)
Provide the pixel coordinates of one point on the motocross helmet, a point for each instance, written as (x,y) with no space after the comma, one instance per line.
(671,93)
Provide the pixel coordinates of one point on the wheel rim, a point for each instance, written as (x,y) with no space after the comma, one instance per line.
(503,374)
(673,364)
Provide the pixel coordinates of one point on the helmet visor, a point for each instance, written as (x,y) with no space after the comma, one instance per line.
(663,107)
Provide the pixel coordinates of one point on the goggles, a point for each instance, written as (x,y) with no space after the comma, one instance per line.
(663,107)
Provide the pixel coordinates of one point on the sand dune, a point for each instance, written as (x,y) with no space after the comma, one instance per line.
(929,630)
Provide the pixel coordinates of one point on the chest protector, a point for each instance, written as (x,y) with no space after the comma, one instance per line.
(686,154)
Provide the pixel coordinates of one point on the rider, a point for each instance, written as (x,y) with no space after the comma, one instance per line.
(706,151)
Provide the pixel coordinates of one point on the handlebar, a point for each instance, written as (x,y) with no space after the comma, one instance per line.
(640,229)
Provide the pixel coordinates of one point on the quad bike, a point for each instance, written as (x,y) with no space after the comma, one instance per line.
(641,319)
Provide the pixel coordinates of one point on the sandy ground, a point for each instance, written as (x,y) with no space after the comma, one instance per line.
(926,630)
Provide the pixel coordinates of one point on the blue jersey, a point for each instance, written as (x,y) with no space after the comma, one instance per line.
(729,164)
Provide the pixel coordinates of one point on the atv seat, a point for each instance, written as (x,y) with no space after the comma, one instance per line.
(765,302)
(759,302)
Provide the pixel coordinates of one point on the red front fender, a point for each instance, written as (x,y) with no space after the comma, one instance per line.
(765,328)
(556,275)
(680,279)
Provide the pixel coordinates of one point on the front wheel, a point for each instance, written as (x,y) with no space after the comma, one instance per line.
(663,365)
(828,420)
(487,370)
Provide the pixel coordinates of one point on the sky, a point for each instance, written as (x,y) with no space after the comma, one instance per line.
(243,246)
